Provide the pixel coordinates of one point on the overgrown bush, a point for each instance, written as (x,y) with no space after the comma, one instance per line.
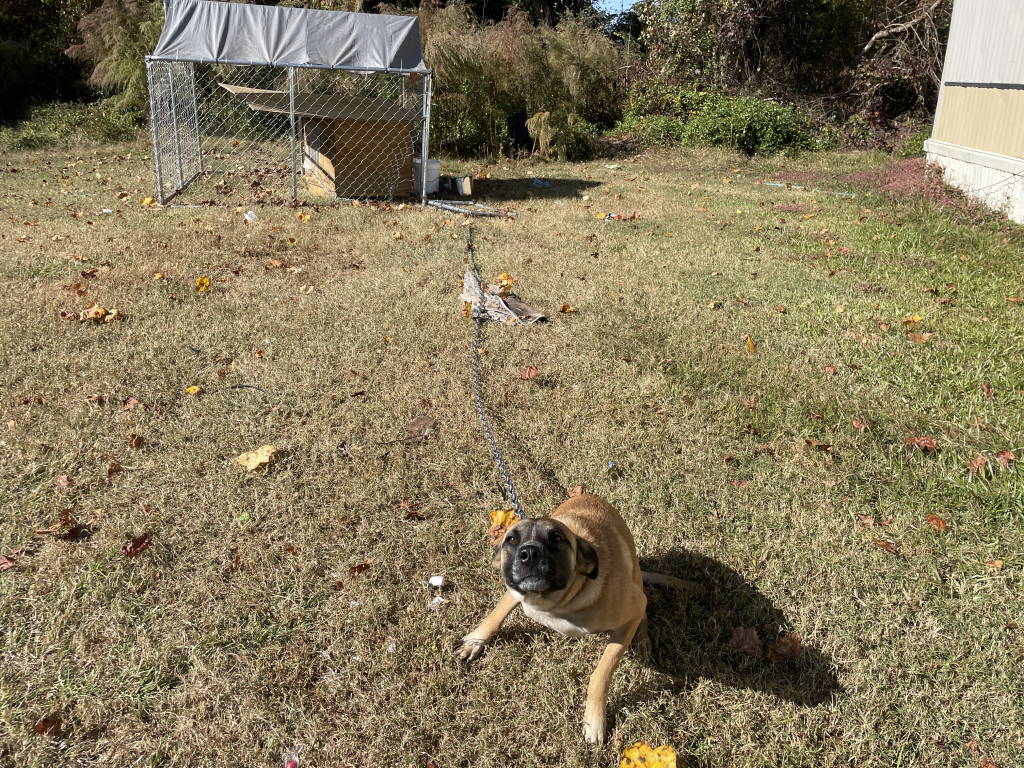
(484,73)
(661,115)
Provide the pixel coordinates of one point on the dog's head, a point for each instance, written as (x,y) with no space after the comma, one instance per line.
(541,555)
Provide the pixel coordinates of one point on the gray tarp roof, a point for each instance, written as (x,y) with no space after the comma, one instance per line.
(200,30)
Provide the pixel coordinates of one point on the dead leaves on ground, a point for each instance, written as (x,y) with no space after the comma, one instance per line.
(355,570)
(922,443)
(67,527)
(138,545)
(501,521)
(50,725)
(745,639)
(643,755)
(262,457)
(937,523)
(529,372)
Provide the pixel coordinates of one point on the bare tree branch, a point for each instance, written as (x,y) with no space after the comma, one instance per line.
(889,31)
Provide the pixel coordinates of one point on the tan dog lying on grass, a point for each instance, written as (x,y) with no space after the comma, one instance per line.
(577,573)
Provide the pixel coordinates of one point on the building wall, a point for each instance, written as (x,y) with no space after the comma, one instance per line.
(978,135)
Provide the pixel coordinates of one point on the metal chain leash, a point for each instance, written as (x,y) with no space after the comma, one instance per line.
(510,490)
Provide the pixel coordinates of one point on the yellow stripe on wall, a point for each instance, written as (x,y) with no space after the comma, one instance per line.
(990,119)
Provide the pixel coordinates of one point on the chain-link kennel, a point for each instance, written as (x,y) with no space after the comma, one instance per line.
(258,103)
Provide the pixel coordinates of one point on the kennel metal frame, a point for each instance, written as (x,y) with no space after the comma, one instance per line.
(362,104)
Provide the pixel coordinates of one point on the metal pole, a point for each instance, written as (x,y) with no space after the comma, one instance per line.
(152,128)
(291,117)
(425,145)
(195,114)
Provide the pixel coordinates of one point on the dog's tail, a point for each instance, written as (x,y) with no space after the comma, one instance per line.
(668,581)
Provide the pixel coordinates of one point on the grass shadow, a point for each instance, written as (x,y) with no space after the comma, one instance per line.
(692,633)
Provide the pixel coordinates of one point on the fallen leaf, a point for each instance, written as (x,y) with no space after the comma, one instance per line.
(819,446)
(926,444)
(745,639)
(865,521)
(355,570)
(501,520)
(566,309)
(195,389)
(859,424)
(136,441)
(5,563)
(977,465)
(994,565)
(886,546)
(1014,299)
(912,320)
(986,763)
(668,234)
(97,398)
(752,402)
(293,241)
(741,484)
(920,338)
(62,481)
(112,316)
(986,388)
(751,346)
(830,370)
(147,201)
(643,755)
(528,373)
(261,457)
(202,283)
(130,403)
(787,648)
(92,313)
(49,725)
(840,309)
(727,459)
(421,426)
(303,217)
(936,522)
(781,309)
(577,491)
(138,545)
(1005,458)
(714,304)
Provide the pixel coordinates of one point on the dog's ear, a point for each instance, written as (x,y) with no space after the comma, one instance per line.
(586,558)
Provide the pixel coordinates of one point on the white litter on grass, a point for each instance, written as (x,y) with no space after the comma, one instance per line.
(436,603)
(354,604)
(390,647)
(437,581)
(613,167)
(107,210)
(250,216)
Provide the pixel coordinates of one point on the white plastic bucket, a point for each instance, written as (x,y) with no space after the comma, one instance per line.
(433,175)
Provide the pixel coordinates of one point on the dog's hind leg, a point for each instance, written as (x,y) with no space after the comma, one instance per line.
(597,691)
(641,644)
(473,643)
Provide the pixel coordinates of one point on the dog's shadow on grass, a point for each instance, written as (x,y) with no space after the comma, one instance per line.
(692,633)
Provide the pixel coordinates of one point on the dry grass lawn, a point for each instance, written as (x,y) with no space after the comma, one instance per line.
(241,634)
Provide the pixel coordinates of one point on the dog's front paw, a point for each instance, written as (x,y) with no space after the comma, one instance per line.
(470,649)
(593,728)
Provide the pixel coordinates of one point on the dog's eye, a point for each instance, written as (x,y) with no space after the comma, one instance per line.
(556,539)
(510,540)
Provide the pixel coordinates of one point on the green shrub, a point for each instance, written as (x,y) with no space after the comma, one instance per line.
(60,124)
(913,145)
(658,115)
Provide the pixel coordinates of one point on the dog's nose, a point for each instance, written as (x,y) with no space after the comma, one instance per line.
(529,554)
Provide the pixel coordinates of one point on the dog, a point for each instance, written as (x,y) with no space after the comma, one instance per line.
(577,573)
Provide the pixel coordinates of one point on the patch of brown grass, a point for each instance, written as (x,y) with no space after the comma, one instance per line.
(241,633)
